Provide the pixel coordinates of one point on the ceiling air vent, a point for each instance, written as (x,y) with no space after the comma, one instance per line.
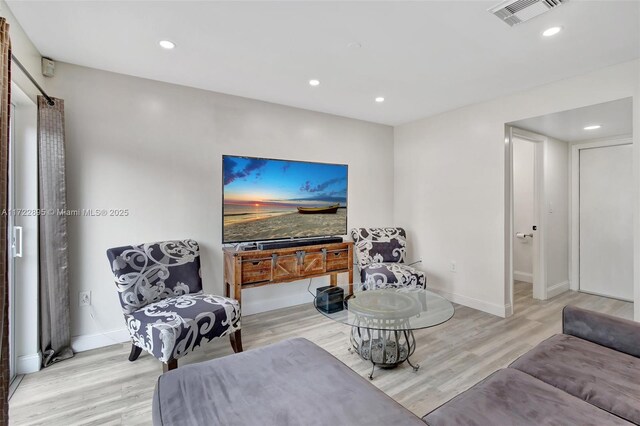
(514,12)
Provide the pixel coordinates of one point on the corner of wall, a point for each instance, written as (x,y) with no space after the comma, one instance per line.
(27,364)
(557,289)
(502,311)
(24,49)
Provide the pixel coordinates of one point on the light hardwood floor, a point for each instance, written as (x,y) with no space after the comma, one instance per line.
(101,387)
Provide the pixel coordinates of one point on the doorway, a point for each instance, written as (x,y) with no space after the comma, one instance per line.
(523,209)
(585,207)
(529,276)
(23,233)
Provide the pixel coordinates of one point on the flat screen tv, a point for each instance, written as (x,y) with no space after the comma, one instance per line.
(265,199)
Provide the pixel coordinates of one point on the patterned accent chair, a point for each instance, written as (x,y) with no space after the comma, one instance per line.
(380,253)
(167,314)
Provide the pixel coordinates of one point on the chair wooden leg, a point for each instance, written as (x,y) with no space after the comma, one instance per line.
(232,339)
(135,353)
(172,364)
(236,341)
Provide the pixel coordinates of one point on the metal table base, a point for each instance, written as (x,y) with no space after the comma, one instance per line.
(384,348)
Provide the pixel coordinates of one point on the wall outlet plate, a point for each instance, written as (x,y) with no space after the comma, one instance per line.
(84,298)
(452,266)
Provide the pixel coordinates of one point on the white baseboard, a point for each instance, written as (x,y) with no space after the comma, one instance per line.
(259,306)
(28,363)
(99,340)
(508,310)
(87,342)
(527,277)
(557,289)
(269,298)
(250,306)
(481,305)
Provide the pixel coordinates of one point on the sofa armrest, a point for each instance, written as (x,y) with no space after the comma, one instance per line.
(605,330)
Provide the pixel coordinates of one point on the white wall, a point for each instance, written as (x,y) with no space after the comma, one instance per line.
(26,52)
(556,192)
(125,133)
(155,149)
(450,183)
(523,204)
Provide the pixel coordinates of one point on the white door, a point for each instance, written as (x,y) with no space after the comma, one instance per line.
(606,221)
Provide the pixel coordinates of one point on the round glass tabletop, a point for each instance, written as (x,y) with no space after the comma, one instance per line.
(393,309)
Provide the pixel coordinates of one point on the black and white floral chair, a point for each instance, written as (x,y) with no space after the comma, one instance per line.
(167,314)
(380,253)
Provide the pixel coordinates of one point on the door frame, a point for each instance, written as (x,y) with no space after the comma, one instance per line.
(539,268)
(574,216)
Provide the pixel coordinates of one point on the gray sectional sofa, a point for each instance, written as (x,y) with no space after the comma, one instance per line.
(589,375)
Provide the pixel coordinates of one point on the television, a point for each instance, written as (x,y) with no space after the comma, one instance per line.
(265,199)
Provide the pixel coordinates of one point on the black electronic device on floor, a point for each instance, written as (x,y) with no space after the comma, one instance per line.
(330,299)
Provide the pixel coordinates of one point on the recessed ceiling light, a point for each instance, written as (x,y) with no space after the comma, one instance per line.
(551,31)
(593,127)
(314,82)
(379,99)
(166,44)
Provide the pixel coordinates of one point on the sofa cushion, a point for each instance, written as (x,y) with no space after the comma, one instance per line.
(293,382)
(511,397)
(616,333)
(600,376)
(175,326)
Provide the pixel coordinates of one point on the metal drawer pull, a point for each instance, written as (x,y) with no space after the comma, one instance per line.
(255,261)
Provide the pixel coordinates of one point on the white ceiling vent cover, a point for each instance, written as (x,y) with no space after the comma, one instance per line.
(514,12)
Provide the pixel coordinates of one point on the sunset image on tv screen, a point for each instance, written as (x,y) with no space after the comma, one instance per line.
(271,199)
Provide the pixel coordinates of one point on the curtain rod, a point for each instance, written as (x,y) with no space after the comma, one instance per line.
(35,83)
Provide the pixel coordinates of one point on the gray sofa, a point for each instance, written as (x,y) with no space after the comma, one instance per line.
(293,382)
(589,375)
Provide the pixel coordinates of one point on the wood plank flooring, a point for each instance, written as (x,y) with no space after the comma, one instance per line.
(101,387)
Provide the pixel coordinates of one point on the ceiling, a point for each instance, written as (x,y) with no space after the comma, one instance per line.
(422,57)
(616,118)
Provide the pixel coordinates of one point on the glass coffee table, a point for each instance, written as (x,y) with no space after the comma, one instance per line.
(382,322)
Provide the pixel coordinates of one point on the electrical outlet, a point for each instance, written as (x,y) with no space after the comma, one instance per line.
(452,266)
(84,298)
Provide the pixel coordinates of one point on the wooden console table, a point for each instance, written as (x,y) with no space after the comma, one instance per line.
(255,268)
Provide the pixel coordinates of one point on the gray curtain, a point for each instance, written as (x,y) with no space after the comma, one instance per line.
(55,338)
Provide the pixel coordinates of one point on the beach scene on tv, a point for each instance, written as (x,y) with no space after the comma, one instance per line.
(272,199)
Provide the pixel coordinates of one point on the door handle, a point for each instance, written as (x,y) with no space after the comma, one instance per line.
(17,241)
